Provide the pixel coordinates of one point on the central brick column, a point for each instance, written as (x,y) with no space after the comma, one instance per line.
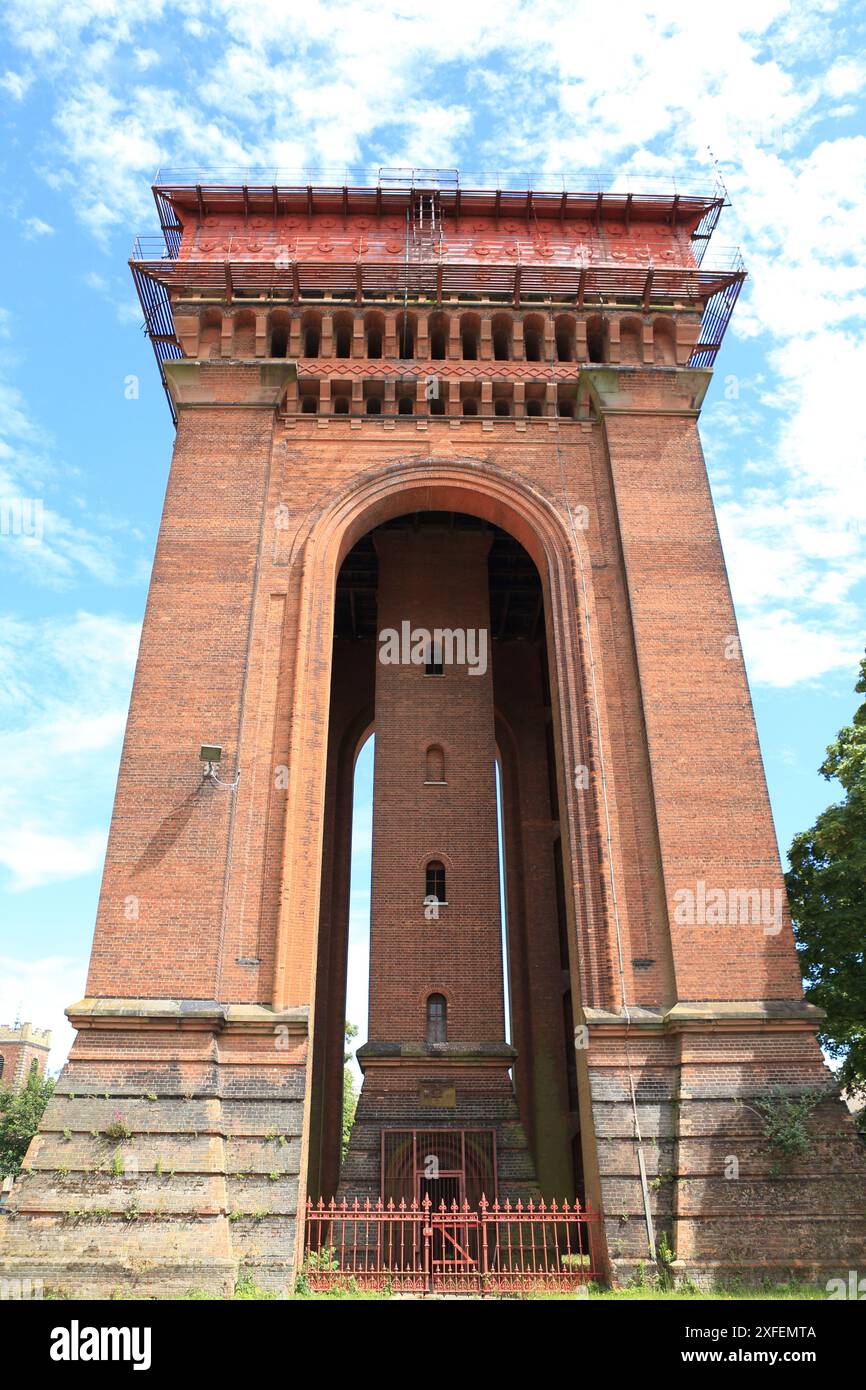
(434,803)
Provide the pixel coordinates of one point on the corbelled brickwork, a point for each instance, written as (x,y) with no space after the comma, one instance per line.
(539,369)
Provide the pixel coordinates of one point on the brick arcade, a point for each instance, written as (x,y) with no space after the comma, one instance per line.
(476,410)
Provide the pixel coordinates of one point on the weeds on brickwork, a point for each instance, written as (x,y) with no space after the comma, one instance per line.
(786,1124)
(118,1129)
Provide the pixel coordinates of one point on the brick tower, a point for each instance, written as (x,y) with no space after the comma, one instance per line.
(23,1050)
(415,400)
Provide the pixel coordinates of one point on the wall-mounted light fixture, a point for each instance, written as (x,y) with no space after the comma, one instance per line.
(211,753)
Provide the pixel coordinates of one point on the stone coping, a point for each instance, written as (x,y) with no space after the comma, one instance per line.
(186,1013)
(713,1013)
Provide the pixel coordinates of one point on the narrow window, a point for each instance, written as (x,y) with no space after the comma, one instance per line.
(502,407)
(341,405)
(438,340)
(435,881)
(595,340)
(2,1065)
(374,341)
(437,1018)
(405,406)
(435,764)
(374,405)
(343,342)
(470,406)
(309,405)
(433,665)
(533,406)
(532,344)
(311,342)
(279,342)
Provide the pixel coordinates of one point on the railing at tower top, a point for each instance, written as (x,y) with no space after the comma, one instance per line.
(422,1247)
(535,264)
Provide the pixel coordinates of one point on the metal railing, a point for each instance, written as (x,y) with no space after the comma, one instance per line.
(423,1248)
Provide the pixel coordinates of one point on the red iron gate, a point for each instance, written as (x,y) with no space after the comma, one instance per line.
(419,1248)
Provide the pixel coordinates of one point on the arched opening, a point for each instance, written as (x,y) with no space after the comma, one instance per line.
(343,328)
(437,1020)
(373,405)
(280,325)
(438,329)
(531,903)
(341,405)
(311,333)
(596,339)
(434,882)
(374,332)
(533,338)
(564,329)
(308,393)
(407,331)
(501,333)
(405,405)
(470,337)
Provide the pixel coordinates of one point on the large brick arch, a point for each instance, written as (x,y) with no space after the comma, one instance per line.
(482,490)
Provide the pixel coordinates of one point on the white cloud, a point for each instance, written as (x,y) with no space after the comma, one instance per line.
(769,86)
(64,688)
(34,227)
(17,84)
(38,991)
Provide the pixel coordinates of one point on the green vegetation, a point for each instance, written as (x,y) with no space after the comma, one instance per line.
(21,1110)
(827,892)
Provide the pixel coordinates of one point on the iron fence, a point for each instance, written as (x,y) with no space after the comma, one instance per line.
(419,1247)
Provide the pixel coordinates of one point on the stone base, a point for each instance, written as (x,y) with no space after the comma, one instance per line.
(168,1158)
(729,1205)
(445,1087)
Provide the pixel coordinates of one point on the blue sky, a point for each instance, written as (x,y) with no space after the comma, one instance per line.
(96,94)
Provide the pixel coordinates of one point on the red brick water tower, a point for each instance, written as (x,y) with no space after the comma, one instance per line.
(421,401)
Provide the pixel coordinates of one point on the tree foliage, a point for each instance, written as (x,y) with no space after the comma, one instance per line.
(827,891)
(350,1094)
(20,1112)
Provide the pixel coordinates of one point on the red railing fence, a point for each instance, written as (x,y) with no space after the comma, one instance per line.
(419,1247)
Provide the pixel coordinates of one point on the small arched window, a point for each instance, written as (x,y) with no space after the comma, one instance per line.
(405,406)
(438,337)
(533,406)
(34,1066)
(341,405)
(437,1019)
(434,882)
(434,770)
(2,1065)
(374,405)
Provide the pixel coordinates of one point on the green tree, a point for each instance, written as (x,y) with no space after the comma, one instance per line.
(350,1094)
(20,1112)
(827,890)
